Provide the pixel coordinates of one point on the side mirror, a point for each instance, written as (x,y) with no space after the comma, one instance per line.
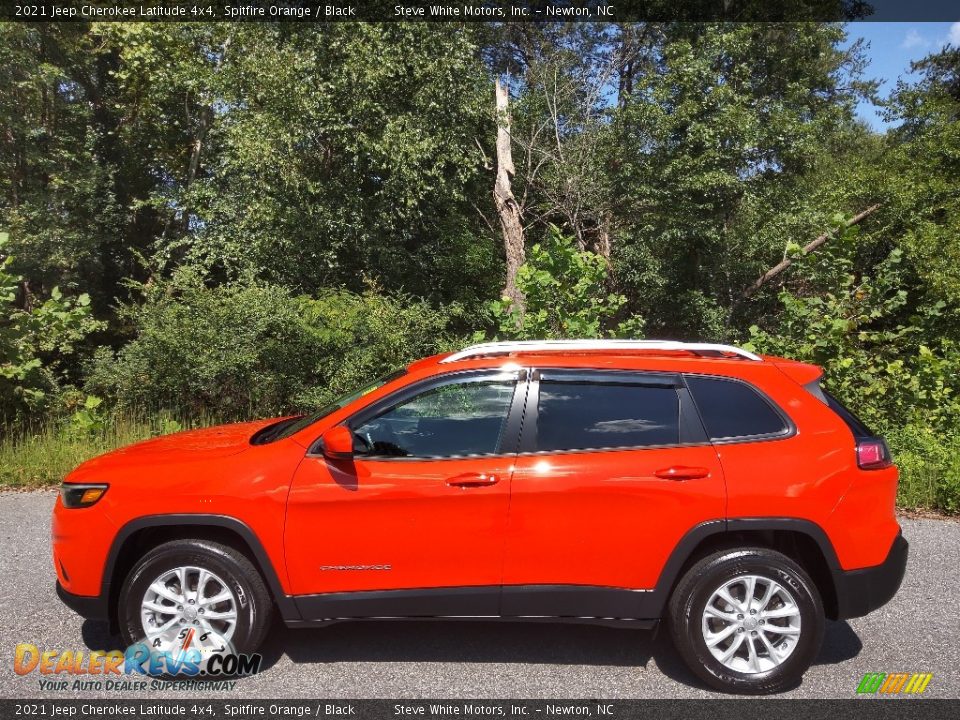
(337,443)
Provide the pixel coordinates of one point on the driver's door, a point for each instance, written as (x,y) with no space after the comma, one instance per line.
(421,508)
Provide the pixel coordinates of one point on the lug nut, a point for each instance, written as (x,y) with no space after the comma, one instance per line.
(739,616)
(191,601)
(739,630)
(179,607)
(201,612)
(752,612)
(753,633)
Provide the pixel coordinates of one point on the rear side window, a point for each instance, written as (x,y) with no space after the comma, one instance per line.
(593,415)
(731,409)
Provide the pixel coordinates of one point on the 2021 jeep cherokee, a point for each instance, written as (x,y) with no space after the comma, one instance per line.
(615,482)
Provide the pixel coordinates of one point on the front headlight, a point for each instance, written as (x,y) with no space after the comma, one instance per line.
(81,495)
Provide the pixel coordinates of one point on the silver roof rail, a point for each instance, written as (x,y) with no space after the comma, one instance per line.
(518,346)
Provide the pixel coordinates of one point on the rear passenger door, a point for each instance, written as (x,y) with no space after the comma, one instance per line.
(614,468)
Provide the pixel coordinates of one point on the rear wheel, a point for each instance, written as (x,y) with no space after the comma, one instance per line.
(747,621)
(194,595)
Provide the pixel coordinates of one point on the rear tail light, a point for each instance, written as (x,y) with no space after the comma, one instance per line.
(873,454)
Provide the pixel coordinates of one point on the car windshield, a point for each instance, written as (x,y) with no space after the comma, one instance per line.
(290,426)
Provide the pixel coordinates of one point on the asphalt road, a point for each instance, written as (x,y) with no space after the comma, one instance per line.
(917,632)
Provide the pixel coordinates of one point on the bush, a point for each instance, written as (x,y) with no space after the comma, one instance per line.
(249,349)
(36,342)
(929,468)
(887,363)
(564,290)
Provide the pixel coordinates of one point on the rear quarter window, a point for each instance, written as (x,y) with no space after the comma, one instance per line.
(856,425)
(732,409)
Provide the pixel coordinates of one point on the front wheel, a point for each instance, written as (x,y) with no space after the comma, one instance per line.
(747,621)
(194,595)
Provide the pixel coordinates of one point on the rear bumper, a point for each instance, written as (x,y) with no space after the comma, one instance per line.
(862,591)
(89,607)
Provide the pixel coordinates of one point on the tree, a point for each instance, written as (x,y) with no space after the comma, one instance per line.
(507,208)
(328,167)
(924,156)
(708,148)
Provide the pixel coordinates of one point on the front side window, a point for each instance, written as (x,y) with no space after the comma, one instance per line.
(585,415)
(451,420)
(290,426)
(732,409)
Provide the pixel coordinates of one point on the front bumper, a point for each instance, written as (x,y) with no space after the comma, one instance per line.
(89,607)
(862,591)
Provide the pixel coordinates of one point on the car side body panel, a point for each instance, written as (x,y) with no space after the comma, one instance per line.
(573,534)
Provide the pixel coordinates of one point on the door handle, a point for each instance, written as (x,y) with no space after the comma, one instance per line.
(681,472)
(468,480)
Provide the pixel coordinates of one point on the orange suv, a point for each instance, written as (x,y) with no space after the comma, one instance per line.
(611,482)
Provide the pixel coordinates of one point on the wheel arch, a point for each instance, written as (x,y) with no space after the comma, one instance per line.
(801,540)
(144,533)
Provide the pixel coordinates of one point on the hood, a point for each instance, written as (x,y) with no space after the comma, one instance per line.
(182,447)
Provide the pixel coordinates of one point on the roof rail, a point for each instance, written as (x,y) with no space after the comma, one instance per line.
(519,346)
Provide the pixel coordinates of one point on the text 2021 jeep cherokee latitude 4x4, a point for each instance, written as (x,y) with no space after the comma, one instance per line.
(616,482)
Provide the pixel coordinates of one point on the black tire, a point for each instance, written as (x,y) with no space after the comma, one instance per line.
(690,597)
(253,597)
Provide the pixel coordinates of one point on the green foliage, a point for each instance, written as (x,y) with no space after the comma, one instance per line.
(261,217)
(326,168)
(565,295)
(252,349)
(720,125)
(929,463)
(924,161)
(876,358)
(88,419)
(35,343)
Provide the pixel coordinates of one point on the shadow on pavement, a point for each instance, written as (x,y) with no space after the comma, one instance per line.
(840,643)
(487,642)
(96,636)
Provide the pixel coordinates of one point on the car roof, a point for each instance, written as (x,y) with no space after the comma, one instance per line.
(657,359)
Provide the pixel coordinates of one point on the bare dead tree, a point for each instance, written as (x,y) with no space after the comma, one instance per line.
(508,209)
(563,148)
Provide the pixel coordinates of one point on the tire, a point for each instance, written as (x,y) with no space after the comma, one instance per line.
(228,573)
(786,634)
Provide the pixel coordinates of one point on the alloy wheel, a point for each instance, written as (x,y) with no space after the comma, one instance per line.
(751,624)
(189,608)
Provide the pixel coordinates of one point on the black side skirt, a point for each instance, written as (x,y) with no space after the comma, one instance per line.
(573,603)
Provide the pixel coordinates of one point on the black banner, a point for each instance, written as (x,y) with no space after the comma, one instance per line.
(720,709)
(476,11)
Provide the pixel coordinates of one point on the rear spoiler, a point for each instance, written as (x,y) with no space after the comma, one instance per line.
(800,372)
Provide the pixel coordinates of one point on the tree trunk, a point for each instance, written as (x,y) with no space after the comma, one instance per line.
(507,207)
(807,249)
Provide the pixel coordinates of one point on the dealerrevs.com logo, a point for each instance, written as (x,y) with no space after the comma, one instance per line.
(70,670)
(894,683)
